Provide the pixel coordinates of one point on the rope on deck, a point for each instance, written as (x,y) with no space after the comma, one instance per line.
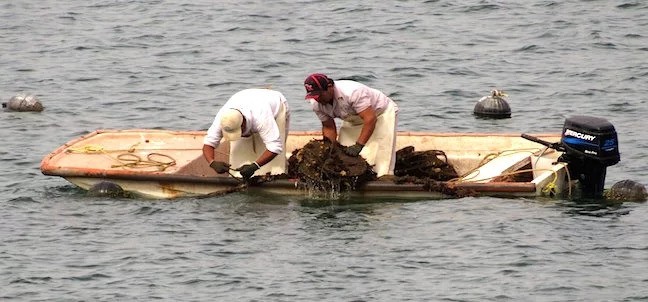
(129,159)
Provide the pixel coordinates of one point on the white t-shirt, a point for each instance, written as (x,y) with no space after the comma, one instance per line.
(260,107)
(350,98)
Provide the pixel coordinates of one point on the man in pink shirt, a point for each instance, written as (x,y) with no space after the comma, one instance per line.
(250,119)
(369,119)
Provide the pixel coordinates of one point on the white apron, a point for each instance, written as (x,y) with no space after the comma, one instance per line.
(248,149)
(380,149)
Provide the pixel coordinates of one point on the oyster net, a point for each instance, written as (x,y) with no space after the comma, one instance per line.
(323,169)
(322,166)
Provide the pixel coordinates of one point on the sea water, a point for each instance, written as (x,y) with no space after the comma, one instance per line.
(171,64)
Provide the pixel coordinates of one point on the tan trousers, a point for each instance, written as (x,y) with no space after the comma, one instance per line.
(380,149)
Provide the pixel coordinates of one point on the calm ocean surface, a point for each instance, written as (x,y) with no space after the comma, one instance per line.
(171,64)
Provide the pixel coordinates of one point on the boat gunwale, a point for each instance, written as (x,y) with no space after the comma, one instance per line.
(373,186)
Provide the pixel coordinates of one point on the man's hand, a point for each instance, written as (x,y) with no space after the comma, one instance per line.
(248,170)
(353,150)
(219,166)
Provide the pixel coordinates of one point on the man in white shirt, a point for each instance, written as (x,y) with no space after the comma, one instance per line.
(250,119)
(370,117)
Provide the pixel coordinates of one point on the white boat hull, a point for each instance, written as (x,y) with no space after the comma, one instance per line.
(169,164)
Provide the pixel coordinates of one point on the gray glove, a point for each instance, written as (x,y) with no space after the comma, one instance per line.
(219,166)
(353,150)
(248,170)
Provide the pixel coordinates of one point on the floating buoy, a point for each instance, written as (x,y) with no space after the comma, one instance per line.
(106,189)
(627,190)
(493,106)
(23,102)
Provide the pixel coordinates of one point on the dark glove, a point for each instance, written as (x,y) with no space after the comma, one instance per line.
(353,150)
(219,166)
(248,170)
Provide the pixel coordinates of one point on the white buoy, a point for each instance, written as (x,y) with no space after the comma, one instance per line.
(23,102)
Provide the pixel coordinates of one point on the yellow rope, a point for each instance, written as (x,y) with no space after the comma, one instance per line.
(133,161)
(550,188)
(88,149)
(128,160)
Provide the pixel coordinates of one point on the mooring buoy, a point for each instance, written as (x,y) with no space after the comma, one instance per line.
(627,190)
(24,102)
(493,106)
(106,189)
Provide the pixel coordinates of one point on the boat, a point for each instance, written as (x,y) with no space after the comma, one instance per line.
(166,164)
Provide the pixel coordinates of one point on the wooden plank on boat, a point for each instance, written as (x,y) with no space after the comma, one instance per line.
(496,166)
(510,175)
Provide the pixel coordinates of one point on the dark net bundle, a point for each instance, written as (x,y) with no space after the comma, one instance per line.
(322,165)
(430,164)
(429,168)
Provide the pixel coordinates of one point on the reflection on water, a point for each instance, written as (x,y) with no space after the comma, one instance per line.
(597,208)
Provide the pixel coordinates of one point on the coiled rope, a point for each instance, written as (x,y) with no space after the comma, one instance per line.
(128,159)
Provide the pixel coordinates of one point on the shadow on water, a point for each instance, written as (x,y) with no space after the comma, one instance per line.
(64,191)
(335,210)
(594,207)
(324,200)
(74,192)
(347,215)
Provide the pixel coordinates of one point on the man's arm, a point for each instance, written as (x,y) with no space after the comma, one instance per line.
(265,158)
(369,119)
(329,131)
(208,153)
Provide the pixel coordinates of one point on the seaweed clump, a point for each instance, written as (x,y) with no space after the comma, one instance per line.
(322,165)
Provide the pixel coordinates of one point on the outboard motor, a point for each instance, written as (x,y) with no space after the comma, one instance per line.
(590,146)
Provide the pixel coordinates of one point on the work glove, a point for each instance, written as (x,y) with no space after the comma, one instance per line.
(248,170)
(219,166)
(353,150)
